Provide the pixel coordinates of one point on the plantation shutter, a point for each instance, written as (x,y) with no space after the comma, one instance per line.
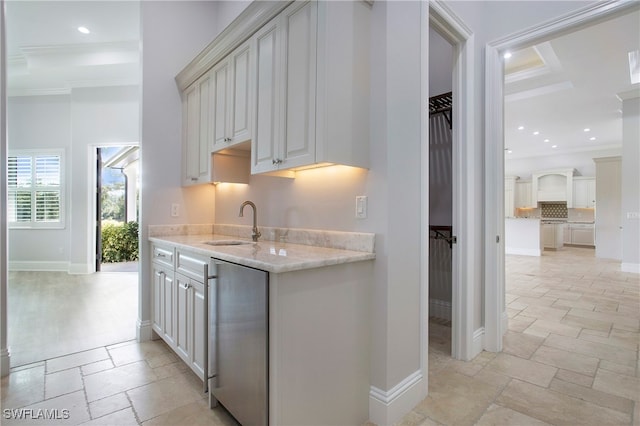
(35,192)
(20,194)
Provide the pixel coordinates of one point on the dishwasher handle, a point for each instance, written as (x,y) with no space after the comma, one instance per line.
(207,278)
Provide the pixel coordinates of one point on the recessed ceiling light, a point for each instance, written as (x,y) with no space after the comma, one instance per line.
(507,55)
(536,133)
(593,138)
(84,30)
(554,146)
(546,140)
(587,129)
(521,128)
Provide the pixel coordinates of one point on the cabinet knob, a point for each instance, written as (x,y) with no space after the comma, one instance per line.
(186,286)
(276,161)
(227,139)
(194,179)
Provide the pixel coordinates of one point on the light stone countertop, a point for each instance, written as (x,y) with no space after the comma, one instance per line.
(271,256)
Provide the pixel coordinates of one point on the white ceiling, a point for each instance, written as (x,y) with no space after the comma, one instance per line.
(48,55)
(561,87)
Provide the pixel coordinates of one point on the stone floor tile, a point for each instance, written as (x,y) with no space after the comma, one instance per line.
(619,338)
(566,360)
(62,382)
(119,379)
(555,327)
(23,387)
(139,351)
(456,399)
(575,378)
(623,322)
(520,345)
(413,418)
(108,405)
(567,303)
(76,360)
(519,323)
(603,399)
(523,369)
(557,408)
(124,417)
(69,409)
(497,415)
(617,384)
(194,413)
(625,370)
(545,312)
(162,396)
(592,349)
(96,367)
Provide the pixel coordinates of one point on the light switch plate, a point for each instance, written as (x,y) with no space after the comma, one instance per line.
(361,207)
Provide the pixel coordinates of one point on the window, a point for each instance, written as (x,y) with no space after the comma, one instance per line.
(36,197)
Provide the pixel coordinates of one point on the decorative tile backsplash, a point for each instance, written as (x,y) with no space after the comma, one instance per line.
(554,210)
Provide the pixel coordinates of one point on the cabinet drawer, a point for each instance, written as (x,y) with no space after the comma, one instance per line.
(163,255)
(191,264)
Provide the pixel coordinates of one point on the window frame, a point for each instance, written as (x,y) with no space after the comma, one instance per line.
(33,223)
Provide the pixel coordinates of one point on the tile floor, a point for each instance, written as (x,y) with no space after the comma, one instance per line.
(570,358)
(570,353)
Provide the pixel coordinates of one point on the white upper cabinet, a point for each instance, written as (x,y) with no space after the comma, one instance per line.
(308,112)
(584,192)
(234,98)
(553,185)
(523,194)
(197,131)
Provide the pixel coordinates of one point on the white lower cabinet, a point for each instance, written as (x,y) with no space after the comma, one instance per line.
(582,234)
(179,305)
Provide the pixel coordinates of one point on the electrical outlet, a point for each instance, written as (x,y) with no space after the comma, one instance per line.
(633,215)
(175,210)
(361,207)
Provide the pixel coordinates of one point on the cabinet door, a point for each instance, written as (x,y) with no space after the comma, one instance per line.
(240,88)
(169,301)
(299,33)
(508,203)
(591,192)
(267,113)
(181,314)
(198,318)
(157,293)
(220,116)
(197,132)
(566,233)
(582,235)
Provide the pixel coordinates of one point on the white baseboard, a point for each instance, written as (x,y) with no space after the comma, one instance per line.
(478,342)
(631,267)
(388,407)
(144,331)
(523,252)
(80,269)
(38,266)
(440,309)
(5,362)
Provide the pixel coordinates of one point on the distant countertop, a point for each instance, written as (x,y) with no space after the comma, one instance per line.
(271,256)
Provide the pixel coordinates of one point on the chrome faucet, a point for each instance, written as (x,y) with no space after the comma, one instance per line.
(256,234)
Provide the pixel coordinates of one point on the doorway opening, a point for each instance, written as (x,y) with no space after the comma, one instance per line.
(117,207)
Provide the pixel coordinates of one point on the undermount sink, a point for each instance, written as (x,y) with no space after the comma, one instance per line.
(227,242)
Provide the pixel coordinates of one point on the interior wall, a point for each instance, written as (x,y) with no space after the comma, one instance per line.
(173,33)
(630,179)
(42,122)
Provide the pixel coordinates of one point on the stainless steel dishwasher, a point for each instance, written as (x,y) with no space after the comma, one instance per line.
(239,341)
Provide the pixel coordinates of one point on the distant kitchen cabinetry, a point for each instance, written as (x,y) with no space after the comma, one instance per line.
(582,234)
(584,192)
(312,74)
(552,185)
(552,236)
(292,78)
(523,194)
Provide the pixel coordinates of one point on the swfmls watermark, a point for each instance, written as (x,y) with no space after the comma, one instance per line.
(36,414)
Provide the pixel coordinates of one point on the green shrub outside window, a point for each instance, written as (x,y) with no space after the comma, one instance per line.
(119,242)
